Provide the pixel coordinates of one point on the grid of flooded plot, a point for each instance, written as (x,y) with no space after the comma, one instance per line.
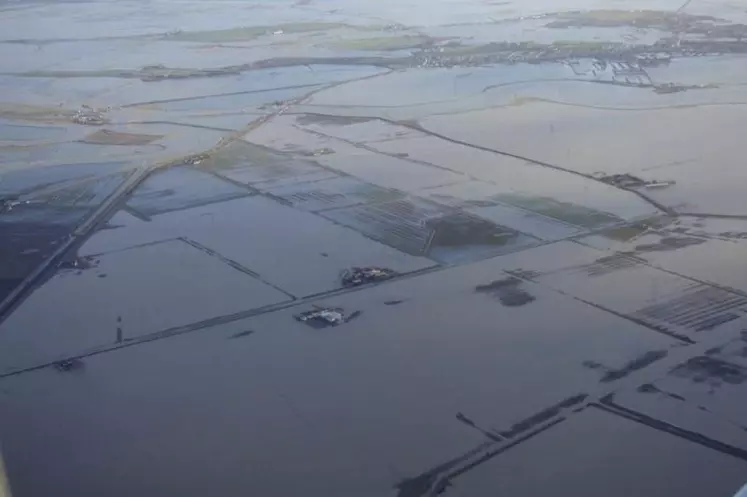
(419,227)
(542,217)
(413,225)
(702,308)
(341,191)
(628,286)
(181,188)
(249,164)
(610,264)
(402,224)
(577,215)
(408,224)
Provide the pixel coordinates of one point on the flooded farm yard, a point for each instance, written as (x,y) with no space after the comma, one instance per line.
(327,248)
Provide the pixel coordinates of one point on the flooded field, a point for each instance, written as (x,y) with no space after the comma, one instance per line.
(358,248)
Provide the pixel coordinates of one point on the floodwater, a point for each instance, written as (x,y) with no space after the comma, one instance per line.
(557,188)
